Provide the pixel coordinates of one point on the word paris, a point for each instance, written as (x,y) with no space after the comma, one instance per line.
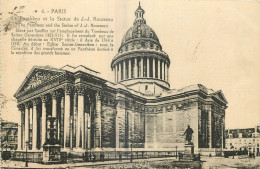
(55,11)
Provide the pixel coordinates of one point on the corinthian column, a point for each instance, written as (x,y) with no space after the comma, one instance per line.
(167,66)
(43,137)
(75,119)
(26,123)
(163,70)
(89,122)
(98,136)
(136,69)
(148,67)
(154,68)
(116,67)
(80,126)
(159,69)
(62,120)
(68,90)
(166,72)
(34,133)
(119,72)
(54,96)
(223,131)
(142,67)
(124,70)
(210,128)
(59,114)
(54,103)
(129,68)
(20,126)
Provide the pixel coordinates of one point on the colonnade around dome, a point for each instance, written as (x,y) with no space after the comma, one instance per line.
(141,67)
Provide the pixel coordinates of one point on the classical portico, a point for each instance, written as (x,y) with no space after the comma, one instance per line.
(77,108)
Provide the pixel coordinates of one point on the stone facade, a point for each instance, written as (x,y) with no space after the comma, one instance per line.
(244,139)
(9,137)
(138,109)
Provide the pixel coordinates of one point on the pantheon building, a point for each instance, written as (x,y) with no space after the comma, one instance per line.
(138,109)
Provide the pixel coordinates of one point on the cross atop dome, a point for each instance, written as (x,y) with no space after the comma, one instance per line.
(139,15)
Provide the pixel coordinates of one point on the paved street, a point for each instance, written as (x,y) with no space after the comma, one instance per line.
(213,162)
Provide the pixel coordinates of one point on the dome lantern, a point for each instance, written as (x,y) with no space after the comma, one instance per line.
(139,16)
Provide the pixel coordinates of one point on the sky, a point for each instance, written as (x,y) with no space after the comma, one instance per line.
(213,43)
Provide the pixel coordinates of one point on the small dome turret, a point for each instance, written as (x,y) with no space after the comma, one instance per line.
(139,16)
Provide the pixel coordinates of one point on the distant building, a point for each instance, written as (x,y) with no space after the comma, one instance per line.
(9,135)
(248,138)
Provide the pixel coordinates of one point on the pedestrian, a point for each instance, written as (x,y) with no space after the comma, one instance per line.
(102,157)
(94,158)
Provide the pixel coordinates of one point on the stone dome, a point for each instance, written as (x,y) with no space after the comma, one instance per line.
(138,33)
(140,63)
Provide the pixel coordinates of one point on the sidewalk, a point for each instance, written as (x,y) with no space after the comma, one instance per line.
(208,162)
(19,164)
(237,162)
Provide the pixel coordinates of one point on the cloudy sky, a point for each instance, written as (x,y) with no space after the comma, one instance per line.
(214,43)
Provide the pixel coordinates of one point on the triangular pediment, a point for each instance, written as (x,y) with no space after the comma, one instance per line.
(219,95)
(38,76)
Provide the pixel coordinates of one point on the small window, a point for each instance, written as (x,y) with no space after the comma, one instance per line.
(146,87)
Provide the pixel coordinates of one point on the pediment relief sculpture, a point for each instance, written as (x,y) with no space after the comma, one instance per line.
(38,78)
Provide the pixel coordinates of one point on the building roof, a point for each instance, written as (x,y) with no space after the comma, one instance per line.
(246,132)
(33,82)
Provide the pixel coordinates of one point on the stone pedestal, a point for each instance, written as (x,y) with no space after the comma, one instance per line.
(52,147)
(189,149)
(51,153)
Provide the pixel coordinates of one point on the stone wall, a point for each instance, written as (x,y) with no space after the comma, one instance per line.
(136,129)
(108,126)
(166,124)
(161,124)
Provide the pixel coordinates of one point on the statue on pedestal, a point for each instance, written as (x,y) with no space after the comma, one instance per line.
(188,133)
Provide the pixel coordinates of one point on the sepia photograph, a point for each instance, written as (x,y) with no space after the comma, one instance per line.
(130,84)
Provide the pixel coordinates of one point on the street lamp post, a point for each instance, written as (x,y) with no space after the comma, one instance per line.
(176,151)
(6,142)
(131,159)
(26,160)
(6,146)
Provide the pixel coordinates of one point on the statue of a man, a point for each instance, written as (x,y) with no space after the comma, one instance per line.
(188,133)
